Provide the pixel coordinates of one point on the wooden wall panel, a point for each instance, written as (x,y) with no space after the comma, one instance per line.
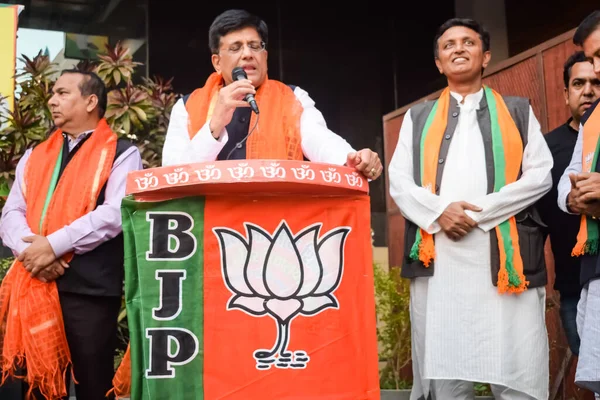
(391,133)
(522,79)
(396,239)
(550,267)
(554,59)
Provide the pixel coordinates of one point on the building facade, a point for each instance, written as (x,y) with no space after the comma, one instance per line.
(357,63)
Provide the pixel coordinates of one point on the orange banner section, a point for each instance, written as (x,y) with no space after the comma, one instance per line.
(288,293)
(289,298)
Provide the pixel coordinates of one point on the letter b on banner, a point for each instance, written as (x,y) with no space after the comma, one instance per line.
(171,237)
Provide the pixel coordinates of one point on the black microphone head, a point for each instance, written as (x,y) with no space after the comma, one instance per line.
(238,73)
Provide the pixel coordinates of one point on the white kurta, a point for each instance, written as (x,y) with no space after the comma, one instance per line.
(588,326)
(319,143)
(462,329)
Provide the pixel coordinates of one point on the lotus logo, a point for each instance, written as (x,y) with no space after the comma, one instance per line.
(282,275)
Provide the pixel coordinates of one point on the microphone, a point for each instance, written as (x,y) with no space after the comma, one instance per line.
(237,74)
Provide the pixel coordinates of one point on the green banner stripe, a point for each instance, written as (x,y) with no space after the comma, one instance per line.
(595,162)
(593,232)
(51,187)
(497,144)
(592,225)
(164,242)
(428,123)
(513,278)
(414,251)
(499,183)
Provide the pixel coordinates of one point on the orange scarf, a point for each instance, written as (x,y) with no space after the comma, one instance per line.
(587,238)
(507,147)
(33,334)
(277,135)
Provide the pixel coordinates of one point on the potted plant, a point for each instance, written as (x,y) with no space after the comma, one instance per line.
(392,298)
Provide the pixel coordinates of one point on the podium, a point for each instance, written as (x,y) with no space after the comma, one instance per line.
(250,279)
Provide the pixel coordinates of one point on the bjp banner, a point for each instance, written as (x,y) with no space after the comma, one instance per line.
(250,280)
(8,53)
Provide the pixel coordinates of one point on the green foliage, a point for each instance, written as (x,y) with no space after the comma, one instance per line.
(116,66)
(138,111)
(393,326)
(482,389)
(5,264)
(123,328)
(122,333)
(118,357)
(129,110)
(30,120)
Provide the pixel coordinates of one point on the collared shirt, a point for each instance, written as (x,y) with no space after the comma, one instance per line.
(562,227)
(564,185)
(319,144)
(83,234)
(575,166)
(74,141)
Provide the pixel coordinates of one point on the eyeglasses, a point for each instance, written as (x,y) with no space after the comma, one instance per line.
(255,47)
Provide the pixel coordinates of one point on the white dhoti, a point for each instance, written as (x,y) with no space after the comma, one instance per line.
(462,329)
(588,327)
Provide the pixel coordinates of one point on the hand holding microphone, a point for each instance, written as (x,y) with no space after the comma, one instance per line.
(237,74)
(229,98)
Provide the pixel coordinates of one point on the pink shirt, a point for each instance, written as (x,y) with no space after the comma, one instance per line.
(83,234)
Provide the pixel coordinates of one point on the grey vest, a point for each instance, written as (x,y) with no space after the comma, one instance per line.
(531,229)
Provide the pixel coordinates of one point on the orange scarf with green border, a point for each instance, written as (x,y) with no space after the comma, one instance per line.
(587,238)
(507,147)
(277,135)
(32,333)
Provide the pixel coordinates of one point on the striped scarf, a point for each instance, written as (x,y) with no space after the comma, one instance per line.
(507,148)
(587,238)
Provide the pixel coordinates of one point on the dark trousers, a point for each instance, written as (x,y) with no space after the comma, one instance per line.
(91,329)
(568,316)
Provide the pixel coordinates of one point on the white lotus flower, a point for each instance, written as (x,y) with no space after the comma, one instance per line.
(282,275)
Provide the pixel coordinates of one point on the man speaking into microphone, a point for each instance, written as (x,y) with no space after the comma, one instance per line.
(220,120)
